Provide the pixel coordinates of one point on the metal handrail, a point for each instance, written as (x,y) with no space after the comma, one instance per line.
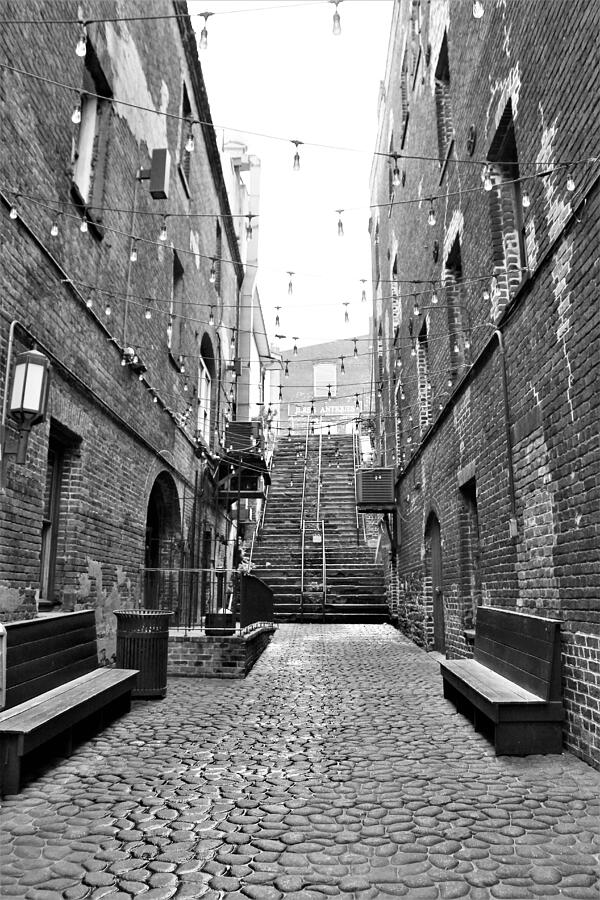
(304,476)
(319,475)
(302,572)
(324,569)
(355,440)
(261,519)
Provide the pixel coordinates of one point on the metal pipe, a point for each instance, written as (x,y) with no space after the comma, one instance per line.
(324,569)
(319,471)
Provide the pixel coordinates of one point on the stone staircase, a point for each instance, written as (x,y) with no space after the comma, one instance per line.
(355,587)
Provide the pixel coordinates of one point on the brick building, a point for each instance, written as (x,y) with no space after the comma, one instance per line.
(327,383)
(485,230)
(123,262)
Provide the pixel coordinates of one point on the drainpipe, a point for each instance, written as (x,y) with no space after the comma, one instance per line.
(512,525)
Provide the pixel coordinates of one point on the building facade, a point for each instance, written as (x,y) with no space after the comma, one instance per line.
(123,263)
(484,233)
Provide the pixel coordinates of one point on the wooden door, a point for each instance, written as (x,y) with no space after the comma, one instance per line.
(439,640)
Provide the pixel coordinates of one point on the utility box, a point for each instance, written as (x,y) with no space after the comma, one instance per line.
(375,490)
(159,174)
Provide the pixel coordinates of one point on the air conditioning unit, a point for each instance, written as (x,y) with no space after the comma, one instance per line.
(375,490)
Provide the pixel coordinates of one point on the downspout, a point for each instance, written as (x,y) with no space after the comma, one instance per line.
(509,452)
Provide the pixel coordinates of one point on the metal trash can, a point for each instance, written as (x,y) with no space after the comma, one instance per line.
(143,644)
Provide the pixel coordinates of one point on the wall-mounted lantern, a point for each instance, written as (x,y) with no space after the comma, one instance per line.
(28,401)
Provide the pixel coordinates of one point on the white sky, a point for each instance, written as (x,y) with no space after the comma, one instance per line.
(274,67)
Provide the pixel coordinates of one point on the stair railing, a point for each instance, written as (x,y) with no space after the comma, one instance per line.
(302,573)
(302,521)
(319,476)
(304,476)
(324,601)
(261,518)
(355,445)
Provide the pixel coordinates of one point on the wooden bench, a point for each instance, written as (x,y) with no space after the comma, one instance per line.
(512,685)
(53,683)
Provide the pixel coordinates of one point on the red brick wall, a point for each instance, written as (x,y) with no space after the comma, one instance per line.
(541,59)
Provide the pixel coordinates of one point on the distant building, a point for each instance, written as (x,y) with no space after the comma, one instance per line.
(485,231)
(124,263)
(325,386)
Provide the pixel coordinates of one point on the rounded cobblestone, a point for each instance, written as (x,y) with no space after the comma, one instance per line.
(334,769)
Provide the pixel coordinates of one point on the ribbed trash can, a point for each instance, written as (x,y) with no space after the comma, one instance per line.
(143,644)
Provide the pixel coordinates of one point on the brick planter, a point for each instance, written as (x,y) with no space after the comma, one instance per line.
(208,656)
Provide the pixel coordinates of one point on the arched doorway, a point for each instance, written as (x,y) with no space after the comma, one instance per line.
(163,538)
(433,561)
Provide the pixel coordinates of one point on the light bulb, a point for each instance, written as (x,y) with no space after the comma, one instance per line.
(277,321)
(337,25)
(141,376)
(363,296)
(456,348)
(169,331)
(486,294)
(88,302)
(54,229)
(416,309)
(134,254)
(13,214)
(295,347)
(148,313)
(477,9)
(396,181)
(84,225)
(340,228)
(467,344)
(211,318)
(431,216)
(189,144)
(76,115)
(155,399)
(570,182)
(413,350)
(434,296)
(342,367)
(487,179)
(249,227)
(203,38)
(290,285)
(81,47)
(107,310)
(123,361)
(450,382)
(213,273)
(135,359)
(296,166)
(287,371)
(525,200)
(346,316)
(355,349)
(162,236)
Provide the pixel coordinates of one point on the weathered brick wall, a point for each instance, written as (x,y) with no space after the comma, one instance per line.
(206,656)
(550,324)
(121,441)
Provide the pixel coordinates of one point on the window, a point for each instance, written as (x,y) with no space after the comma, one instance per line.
(204,404)
(443,107)
(453,289)
(91,143)
(423,383)
(506,214)
(176,309)
(185,157)
(470,552)
(218,257)
(324,375)
(60,461)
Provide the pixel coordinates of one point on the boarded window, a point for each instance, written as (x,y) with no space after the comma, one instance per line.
(453,284)
(443,105)
(204,404)
(90,146)
(185,157)
(423,383)
(506,214)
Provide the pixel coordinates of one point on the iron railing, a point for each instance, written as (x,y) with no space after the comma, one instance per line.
(324,601)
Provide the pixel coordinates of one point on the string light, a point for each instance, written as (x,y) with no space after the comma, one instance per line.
(357,404)
(416,308)
(342,367)
(89,302)
(14,213)
(355,347)
(337,24)
(162,235)
(155,398)
(81,48)
(329,392)
(277,317)
(211,318)
(487,179)
(148,313)
(76,115)
(431,216)
(189,144)
(295,346)
(477,9)
(287,371)
(84,225)
(290,285)
(134,253)
(107,310)
(434,296)
(346,316)
(213,271)
(203,44)
(525,200)
(312,407)
(340,225)
(250,216)
(54,228)
(396,179)
(570,182)
(280,394)
(363,294)
(170,330)
(296,166)
(233,339)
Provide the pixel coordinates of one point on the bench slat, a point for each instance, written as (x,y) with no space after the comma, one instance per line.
(531,673)
(540,647)
(23,692)
(531,626)
(495,687)
(19,633)
(80,691)
(50,663)
(43,646)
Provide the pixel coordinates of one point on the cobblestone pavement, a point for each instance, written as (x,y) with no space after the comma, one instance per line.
(335,768)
